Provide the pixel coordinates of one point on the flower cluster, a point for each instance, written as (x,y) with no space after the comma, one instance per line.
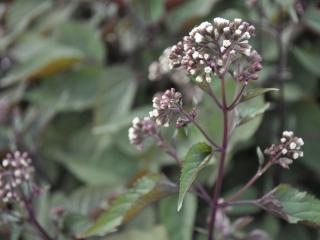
(288,150)
(210,48)
(166,107)
(15,170)
(161,67)
(140,130)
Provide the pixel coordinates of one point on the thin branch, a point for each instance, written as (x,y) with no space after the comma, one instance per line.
(206,135)
(259,173)
(238,97)
(198,126)
(214,98)
(33,220)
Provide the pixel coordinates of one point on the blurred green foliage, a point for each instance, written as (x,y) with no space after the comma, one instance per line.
(74,74)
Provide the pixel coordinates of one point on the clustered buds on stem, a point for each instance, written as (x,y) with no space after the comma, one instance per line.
(211,48)
(140,130)
(16,169)
(161,67)
(167,108)
(288,150)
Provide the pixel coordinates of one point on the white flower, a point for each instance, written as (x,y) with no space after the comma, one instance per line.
(283,140)
(237,20)
(195,55)
(293,145)
(135,121)
(198,37)
(5,163)
(295,155)
(199,79)
(300,141)
(284,151)
(207,70)
(238,32)
(226,43)
(287,134)
(192,71)
(209,29)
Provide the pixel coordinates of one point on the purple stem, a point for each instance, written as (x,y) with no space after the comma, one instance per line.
(219,180)
(33,220)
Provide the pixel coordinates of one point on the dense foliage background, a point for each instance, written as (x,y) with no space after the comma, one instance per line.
(75,73)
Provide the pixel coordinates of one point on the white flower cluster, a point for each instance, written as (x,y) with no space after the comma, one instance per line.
(15,170)
(161,67)
(292,144)
(210,47)
(166,107)
(140,130)
(288,150)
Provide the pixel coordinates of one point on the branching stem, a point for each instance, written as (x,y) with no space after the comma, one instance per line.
(219,180)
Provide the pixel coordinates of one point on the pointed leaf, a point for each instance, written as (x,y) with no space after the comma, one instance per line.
(252,93)
(248,114)
(146,191)
(293,205)
(194,162)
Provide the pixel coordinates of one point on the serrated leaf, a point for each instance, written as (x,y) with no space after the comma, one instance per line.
(252,93)
(146,191)
(194,162)
(247,114)
(293,205)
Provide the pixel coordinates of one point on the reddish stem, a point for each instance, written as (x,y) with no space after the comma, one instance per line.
(219,180)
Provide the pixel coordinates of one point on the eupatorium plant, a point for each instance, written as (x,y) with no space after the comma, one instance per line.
(212,55)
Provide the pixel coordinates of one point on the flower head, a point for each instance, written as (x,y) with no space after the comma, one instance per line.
(161,67)
(15,170)
(288,150)
(210,48)
(140,130)
(166,107)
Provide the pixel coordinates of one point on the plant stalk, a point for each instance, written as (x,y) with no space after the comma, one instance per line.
(219,180)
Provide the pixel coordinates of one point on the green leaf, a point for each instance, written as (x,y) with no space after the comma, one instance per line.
(39,57)
(146,191)
(247,114)
(179,226)
(73,90)
(252,93)
(309,59)
(194,162)
(70,33)
(155,233)
(306,119)
(188,13)
(293,205)
(312,18)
